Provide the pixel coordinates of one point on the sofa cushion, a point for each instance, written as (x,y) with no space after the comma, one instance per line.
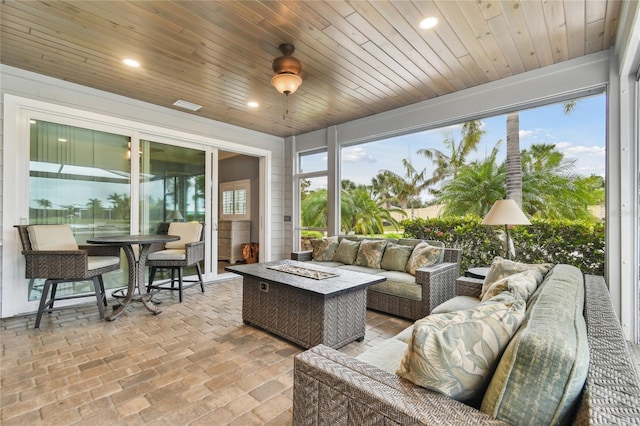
(423,254)
(399,284)
(347,251)
(324,248)
(370,253)
(456,353)
(386,355)
(458,303)
(329,264)
(395,257)
(542,371)
(501,268)
(361,269)
(522,284)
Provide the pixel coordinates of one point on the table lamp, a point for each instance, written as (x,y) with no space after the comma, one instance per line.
(175,215)
(505,212)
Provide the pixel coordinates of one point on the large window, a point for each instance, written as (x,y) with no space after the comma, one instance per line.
(415,172)
(311,178)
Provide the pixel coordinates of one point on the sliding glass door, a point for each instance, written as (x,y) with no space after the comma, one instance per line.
(79,177)
(172,188)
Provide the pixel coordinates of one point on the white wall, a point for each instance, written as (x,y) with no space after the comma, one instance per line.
(39,88)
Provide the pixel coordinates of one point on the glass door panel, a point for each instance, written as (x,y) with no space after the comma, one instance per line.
(172,188)
(79,177)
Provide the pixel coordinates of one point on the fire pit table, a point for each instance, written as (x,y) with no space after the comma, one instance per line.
(306,304)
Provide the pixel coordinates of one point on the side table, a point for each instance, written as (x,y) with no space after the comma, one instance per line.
(480,273)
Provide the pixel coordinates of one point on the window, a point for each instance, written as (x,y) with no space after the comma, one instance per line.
(234,200)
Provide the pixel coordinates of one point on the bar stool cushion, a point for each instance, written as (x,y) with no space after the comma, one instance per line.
(97,262)
(52,237)
(188,233)
(169,254)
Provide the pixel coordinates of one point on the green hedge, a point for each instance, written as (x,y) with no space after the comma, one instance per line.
(575,243)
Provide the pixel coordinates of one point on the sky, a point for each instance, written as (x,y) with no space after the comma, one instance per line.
(579,135)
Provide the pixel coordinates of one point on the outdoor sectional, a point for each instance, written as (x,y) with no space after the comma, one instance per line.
(408,292)
(567,363)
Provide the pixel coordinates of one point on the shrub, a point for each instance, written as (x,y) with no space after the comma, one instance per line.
(577,243)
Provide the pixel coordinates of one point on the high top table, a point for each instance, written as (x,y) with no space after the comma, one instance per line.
(329,308)
(136,267)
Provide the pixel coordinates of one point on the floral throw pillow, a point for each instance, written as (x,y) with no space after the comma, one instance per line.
(347,251)
(521,285)
(501,268)
(324,249)
(456,353)
(370,253)
(423,254)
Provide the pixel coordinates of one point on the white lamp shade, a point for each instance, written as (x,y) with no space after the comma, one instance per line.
(175,215)
(505,212)
(286,83)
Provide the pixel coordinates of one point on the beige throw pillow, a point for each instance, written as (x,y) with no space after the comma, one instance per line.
(456,353)
(347,251)
(324,248)
(395,257)
(501,268)
(423,254)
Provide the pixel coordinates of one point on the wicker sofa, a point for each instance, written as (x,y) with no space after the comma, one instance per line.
(333,388)
(404,295)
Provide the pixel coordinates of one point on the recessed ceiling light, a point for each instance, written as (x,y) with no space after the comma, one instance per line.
(429,22)
(253,104)
(131,62)
(187,105)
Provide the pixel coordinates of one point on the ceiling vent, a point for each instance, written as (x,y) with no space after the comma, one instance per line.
(187,105)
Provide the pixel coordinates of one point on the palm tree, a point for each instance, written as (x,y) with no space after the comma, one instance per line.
(314,209)
(514,165)
(447,165)
(44,203)
(407,187)
(475,188)
(384,187)
(94,205)
(361,213)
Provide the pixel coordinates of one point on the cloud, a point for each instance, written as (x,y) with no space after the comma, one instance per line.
(357,154)
(526,133)
(580,150)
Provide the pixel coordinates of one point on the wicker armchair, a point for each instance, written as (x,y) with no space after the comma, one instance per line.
(176,255)
(51,253)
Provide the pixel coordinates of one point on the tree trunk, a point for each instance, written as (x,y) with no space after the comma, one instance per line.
(514,164)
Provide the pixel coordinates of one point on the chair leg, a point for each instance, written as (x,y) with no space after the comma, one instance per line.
(43,302)
(54,288)
(179,284)
(173,278)
(152,275)
(99,296)
(102,290)
(200,276)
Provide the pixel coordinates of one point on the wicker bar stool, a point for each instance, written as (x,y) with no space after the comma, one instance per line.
(52,253)
(177,255)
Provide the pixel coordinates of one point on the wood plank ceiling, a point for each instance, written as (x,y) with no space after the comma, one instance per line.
(358,57)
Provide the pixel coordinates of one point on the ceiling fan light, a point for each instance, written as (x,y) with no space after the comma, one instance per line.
(286,83)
